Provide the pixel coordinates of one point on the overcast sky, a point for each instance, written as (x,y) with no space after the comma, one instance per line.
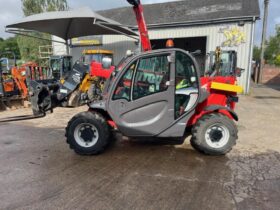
(10,12)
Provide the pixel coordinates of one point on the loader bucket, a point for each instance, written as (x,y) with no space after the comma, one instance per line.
(41,95)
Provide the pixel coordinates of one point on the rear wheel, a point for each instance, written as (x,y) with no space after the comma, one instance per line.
(87,133)
(214,134)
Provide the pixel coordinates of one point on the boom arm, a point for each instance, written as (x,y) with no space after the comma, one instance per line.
(142,27)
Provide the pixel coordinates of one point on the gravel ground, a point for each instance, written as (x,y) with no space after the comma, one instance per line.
(39,171)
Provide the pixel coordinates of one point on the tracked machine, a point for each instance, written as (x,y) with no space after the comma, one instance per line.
(13,88)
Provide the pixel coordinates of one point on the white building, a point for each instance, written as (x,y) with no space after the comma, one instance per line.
(200,24)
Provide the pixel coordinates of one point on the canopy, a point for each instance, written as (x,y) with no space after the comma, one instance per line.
(70,24)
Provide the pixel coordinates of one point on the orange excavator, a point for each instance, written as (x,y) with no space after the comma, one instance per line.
(13,85)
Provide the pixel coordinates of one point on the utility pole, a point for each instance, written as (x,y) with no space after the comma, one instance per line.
(265,15)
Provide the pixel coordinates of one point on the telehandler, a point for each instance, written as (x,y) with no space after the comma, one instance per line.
(159,93)
(155,93)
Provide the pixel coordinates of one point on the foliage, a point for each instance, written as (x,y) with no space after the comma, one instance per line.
(256,53)
(29,47)
(9,44)
(277,60)
(31,7)
(273,48)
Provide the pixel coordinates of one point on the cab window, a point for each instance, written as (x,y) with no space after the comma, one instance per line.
(67,64)
(123,88)
(186,81)
(151,77)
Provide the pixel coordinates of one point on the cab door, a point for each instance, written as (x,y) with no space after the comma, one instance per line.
(142,100)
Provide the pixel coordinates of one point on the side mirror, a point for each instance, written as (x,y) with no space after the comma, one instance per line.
(106,62)
(129,53)
(193,79)
(239,71)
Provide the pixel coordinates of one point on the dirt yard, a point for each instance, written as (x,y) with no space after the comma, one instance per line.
(39,171)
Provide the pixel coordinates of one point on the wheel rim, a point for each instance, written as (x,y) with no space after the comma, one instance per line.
(217,136)
(86,135)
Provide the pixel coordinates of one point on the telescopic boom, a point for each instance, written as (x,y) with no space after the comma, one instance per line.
(142,27)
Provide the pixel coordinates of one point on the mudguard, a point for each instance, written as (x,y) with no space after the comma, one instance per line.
(98,105)
(214,108)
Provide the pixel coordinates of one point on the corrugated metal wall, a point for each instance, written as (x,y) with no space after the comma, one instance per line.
(120,44)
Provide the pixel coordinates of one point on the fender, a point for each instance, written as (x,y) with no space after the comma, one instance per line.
(214,108)
(100,107)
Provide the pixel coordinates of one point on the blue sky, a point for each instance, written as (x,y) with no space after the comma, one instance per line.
(273,19)
(10,11)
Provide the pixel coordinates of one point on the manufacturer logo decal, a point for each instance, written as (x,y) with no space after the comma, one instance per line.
(234,36)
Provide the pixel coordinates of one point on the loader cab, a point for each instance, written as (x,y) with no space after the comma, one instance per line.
(154,93)
(94,59)
(96,56)
(2,93)
(226,64)
(7,84)
(60,66)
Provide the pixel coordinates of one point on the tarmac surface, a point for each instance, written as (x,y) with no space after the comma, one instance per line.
(39,171)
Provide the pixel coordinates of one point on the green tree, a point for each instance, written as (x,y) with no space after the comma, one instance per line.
(10,44)
(256,53)
(277,60)
(31,7)
(29,47)
(273,47)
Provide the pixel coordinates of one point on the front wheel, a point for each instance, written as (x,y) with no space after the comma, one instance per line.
(87,133)
(214,134)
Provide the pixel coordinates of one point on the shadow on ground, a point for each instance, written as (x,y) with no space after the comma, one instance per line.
(267,97)
(264,86)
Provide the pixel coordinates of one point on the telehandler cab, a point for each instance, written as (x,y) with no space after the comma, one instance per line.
(159,93)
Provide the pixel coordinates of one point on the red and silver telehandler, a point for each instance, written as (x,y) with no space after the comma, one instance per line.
(157,94)
(160,94)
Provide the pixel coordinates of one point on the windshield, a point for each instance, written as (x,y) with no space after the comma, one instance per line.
(88,58)
(67,64)
(4,62)
(114,74)
(226,64)
(55,65)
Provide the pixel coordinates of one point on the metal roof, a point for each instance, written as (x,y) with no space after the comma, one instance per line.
(188,11)
(70,24)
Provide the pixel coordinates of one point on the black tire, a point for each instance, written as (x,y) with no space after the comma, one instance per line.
(214,134)
(93,126)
